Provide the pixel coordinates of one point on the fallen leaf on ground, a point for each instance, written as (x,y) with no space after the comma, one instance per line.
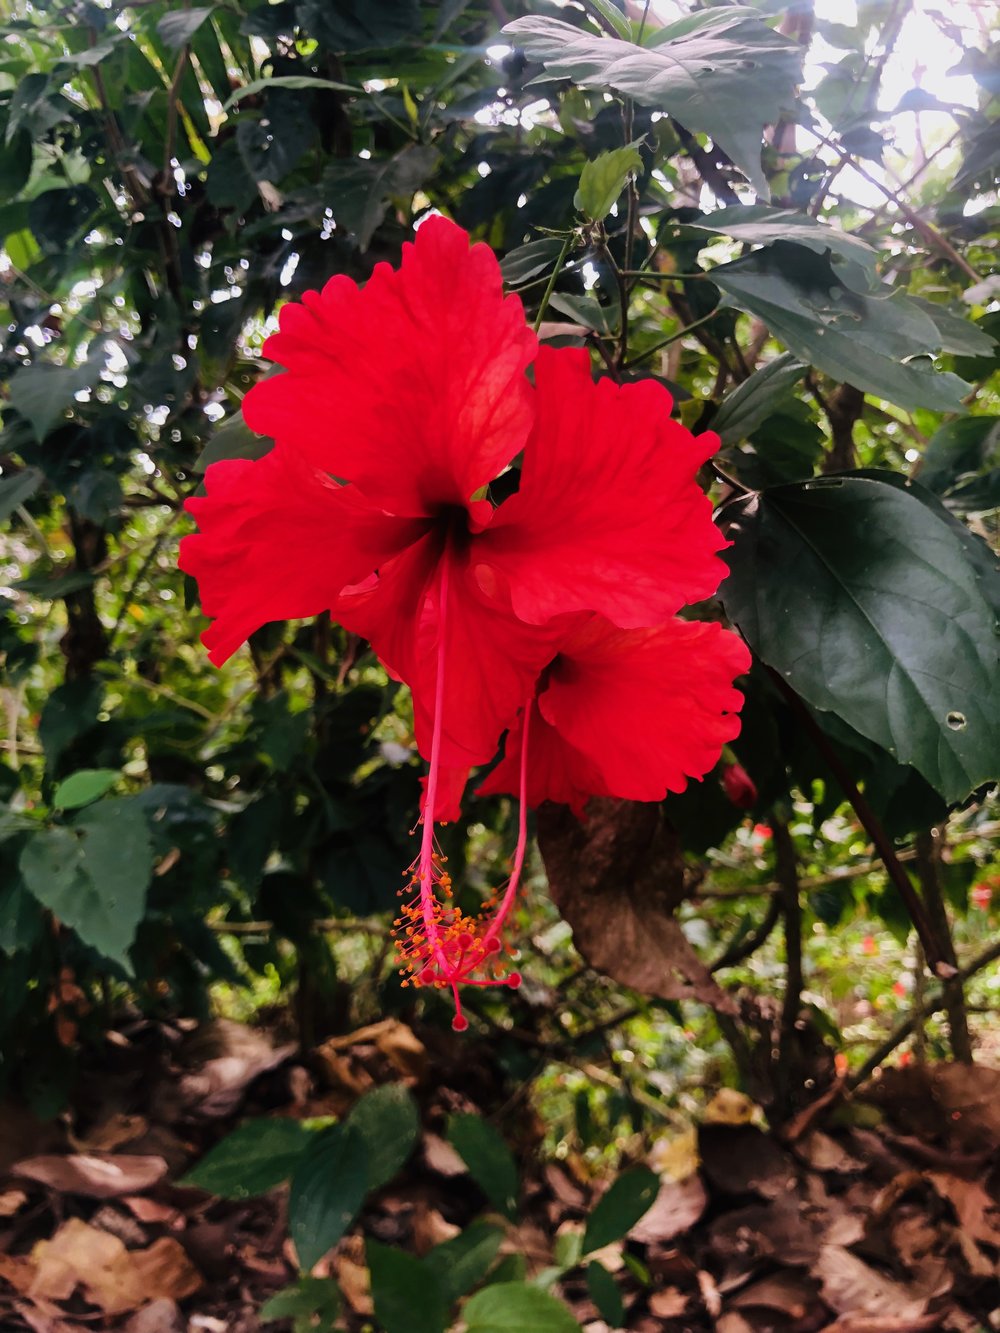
(676,1208)
(93,1175)
(111,1277)
(850,1286)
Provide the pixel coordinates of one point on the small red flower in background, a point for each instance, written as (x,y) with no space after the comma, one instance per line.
(869,945)
(739,786)
(981,894)
(548,615)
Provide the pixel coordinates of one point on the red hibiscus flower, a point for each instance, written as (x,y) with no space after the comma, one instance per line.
(399,404)
(627,713)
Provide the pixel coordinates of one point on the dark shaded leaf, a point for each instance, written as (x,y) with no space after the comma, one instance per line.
(386,1122)
(866,602)
(514,1307)
(464,1262)
(258,1155)
(328,1188)
(722,72)
(748,406)
(488,1158)
(408,1297)
(605,1294)
(874,342)
(15,490)
(616,1213)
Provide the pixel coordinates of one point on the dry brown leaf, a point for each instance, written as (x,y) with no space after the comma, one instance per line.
(338,1071)
(978,1213)
(355,1284)
(18,1271)
(885,1324)
(711,1298)
(113,1278)
(617,879)
(11,1202)
(792,1294)
(740,1159)
(441,1157)
(96,1176)
(959,1104)
(226,1058)
(430,1228)
(111,1133)
(668,1303)
(676,1208)
(162,1316)
(728,1106)
(824,1153)
(850,1286)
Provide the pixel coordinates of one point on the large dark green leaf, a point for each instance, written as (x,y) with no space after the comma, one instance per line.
(94,874)
(258,1155)
(462,1263)
(328,1188)
(748,406)
(407,1295)
(18,488)
(958,448)
(488,1159)
(356,25)
(877,343)
(359,191)
(514,1307)
(43,392)
(722,72)
(617,1212)
(866,601)
(386,1122)
(761,225)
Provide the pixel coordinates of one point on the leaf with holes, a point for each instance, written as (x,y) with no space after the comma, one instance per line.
(722,72)
(868,604)
(880,344)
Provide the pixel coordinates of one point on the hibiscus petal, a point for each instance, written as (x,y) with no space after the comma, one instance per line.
(609,516)
(491,658)
(279,540)
(649,708)
(412,387)
(556,771)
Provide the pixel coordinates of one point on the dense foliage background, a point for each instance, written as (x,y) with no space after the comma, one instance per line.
(724,198)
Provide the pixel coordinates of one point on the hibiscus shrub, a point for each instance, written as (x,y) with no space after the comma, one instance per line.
(536,420)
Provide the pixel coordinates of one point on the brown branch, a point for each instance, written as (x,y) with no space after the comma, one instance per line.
(872,826)
(928,850)
(740,950)
(905,1029)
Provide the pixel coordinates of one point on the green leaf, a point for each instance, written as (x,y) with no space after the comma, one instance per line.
(617,1212)
(407,1296)
(15,490)
(603,179)
(69,711)
(84,786)
(605,1294)
(233,439)
(20,917)
(293,82)
(94,874)
(722,72)
(16,158)
(305,1302)
(359,25)
(748,406)
(462,1263)
(871,341)
(961,337)
(866,601)
(958,448)
(43,392)
(177,27)
(387,1123)
(527,261)
(256,1157)
(359,192)
(762,225)
(514,1307)
(488,1158)
(328,1188)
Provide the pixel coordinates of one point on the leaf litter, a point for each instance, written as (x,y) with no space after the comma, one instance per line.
(878,1214)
